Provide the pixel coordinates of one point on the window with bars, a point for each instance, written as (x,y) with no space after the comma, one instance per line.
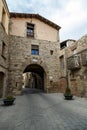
(30,30)
(34,49)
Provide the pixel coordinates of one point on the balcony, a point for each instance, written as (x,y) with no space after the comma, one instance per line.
(73,62)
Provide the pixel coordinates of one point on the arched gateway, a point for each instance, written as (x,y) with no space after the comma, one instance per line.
(34,76)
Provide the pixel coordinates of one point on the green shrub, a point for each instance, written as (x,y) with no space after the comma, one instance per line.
(68,91)
(10,97)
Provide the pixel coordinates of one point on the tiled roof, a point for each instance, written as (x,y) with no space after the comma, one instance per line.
(41,18)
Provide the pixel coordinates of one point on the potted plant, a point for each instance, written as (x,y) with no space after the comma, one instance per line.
(9,100)
(68,95)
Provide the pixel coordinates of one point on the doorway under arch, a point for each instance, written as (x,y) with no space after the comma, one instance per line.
(1,83)
(34,76)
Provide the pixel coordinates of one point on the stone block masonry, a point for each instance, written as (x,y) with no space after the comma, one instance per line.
(20,58)
(4,41)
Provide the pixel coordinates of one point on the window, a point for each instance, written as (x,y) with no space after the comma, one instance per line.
(35,50)
(62,62)
(51,52)
(30,30)
(3,49)
(63,45)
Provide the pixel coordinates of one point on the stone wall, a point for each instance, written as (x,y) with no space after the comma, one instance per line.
(4,58)
(20,57)
(77,76)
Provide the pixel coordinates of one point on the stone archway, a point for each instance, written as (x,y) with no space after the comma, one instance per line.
(16,84)
(35,76)
(1,83)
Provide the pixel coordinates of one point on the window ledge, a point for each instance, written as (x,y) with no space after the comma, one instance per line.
(32,37)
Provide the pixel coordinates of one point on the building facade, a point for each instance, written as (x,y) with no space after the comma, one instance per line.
(33,48)
(31,55)
(74,65)
(4,41)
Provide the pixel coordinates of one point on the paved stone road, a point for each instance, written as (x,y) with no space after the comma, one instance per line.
(40,111)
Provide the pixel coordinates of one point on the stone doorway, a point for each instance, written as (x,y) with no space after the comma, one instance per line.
(33,77)
(1,83)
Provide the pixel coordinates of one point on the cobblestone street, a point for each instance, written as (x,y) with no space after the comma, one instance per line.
(41,111)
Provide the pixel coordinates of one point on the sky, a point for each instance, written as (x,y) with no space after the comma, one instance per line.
(70,15)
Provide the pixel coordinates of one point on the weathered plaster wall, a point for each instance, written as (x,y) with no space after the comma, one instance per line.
(42,31)
(3,5)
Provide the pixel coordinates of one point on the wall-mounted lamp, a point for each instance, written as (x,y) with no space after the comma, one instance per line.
(51,78)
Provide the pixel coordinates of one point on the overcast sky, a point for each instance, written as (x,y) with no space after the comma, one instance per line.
(71,15)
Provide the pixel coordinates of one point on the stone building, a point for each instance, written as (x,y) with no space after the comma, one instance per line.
(74,65)
(33,47)
(4,40)
(31,55)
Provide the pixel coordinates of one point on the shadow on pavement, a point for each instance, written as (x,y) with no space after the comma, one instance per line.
(31,91)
